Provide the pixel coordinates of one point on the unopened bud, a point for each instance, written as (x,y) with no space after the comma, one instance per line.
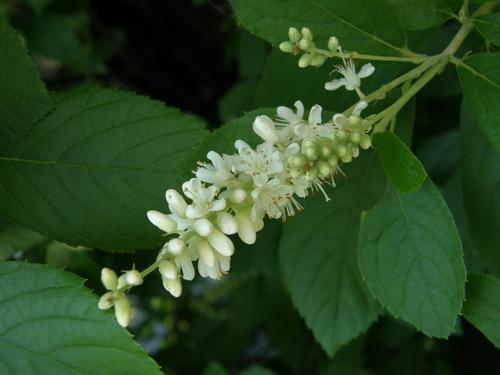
(238,196)
(227,223)
(168,269)
(203,227)
(173,286)
(123,311)
(133,277)
(176,202)
(221,243)
(365,141)
(333,161)
(341,151)
(162,221)
(325,151)
(298,161)
(176,246)
(340,136)
(317,60)
(311,153)
(206,253)
(296,172)
(333,43)
(286,47)
(263,126)
(355,137)
(304,44)
(306,33)
(305,60)
(106,301)
(109,279)
(324,168)
(293,34)
(246,228)
(311,174)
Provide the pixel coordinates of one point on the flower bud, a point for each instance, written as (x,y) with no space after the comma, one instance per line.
(311,153)
(206,253)
(341,151)
(365,141)
(162,221)
(263,126)
(168,269)
(227,223)
(298,161)
(173,286)
(286,47)
(238,196)
(340,136)
(203,227)
(305,60)
(221,243)
(176,202)
(106,301)
(304,44)
(325,151)
(309,143)
(311,174)
(324,168)
(347,158)
(122,282)
(355,136)
(109,279)
(354,120)
(306,33)
(293,34)
(296,172)
(317,60)
(333,161)
(133,277)
(246,228)
(333,43)
(123,311)
(176,246)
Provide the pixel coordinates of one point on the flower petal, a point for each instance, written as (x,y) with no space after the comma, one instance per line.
(335,84)
(366,70)
(359,107)
(315,115)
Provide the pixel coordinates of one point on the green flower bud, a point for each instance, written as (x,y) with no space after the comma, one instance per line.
(304,44)
(309,143)
(296,172)
(365,141)
(286,47)
(305,60)
(341,151)
(306,33)
(333,43)
(293,34)
(325,151)
(123,311)
(340,136)
(333,161)
(317,60)
(133,277)
(311,153)
(355,136)
(347,158)
(298,160)
(324,168)
(354,120)
(109,279)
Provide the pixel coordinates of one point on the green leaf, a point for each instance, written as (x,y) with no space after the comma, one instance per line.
(401,167)
(51,325)
(480,78)
(319,262)
(370,26)
(411,257)
(489,27)
(481,190)
(23,97)
(482,305)
(424,14)
(257,370)
(236,101)
(88,172)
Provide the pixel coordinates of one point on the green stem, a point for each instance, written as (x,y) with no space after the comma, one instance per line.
(416,59)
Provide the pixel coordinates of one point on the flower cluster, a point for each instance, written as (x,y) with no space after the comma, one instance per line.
(232,194)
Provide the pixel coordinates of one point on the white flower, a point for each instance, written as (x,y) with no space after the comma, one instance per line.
(263,126)
(351,80)
(313,128)
(260,164)
(202,199)
(340,120)
(271,199)
(216,173)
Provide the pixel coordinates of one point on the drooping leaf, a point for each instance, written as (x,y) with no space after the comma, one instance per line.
(401,167)
(23,97)
(480,167)
(480,78)
(411,257)
(371,26)
(51,325)
(489,27)
(319,261)
(88,172)
(424,14)
(482,305)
